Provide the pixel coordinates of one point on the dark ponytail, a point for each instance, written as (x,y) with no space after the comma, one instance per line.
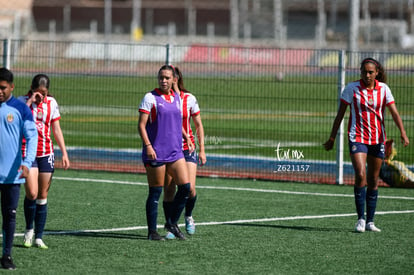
(180,81)
(40,80)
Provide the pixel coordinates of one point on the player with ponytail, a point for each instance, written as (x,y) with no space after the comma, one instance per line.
(367,99)
(46,114)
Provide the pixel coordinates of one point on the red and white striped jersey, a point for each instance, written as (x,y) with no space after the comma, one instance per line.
(189,109)
(44,114)
(366,121)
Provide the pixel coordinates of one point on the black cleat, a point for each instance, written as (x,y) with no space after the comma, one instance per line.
(173,228)
(169,235)
(7,263)
(154,236)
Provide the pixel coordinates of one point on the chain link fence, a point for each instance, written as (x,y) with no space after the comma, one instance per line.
(266,111)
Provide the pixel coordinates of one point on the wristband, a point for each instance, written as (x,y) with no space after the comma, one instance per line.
(146,145)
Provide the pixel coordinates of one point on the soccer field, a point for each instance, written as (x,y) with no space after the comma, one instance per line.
(97,225)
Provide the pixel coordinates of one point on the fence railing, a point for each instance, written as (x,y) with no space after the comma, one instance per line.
(266,111)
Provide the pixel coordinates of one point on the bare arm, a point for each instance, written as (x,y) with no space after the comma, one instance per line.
(142,122)
(337,122)
(35,97)
(191,146)
(200,136)
(398,121)
(57,133)
(25,172)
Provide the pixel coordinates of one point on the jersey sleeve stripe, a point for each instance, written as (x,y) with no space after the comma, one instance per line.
(194,114)
(143,111)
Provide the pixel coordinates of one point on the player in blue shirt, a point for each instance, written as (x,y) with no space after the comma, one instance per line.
(16,123)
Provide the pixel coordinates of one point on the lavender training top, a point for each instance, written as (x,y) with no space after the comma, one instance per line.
(164,127)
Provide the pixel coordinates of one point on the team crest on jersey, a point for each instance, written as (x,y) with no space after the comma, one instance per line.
(39,115)
(10,118)
(370,100)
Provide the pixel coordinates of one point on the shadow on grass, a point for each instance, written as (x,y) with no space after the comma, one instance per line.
(114,235)
(301,228)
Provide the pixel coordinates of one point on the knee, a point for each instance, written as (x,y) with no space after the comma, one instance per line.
(360,175)
(11,214)
(31,195)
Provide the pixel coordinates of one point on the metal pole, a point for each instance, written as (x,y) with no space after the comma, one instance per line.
(340,134)
(321,27)
(244,14)
(108,18)
(136,30)
(410,5)
(17,25)
(6,53)
(234,20)
(149,21)
(136,13)
(191,18)
(210,39)
(333,14)
(367,18)
(52,45)
(278,20)
(66,18)
(247,33)
(172,32)
(168,54)
(353,26)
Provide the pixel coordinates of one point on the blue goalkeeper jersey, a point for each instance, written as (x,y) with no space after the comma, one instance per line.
(16,122)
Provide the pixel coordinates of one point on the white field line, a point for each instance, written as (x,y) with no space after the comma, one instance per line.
(234,189)
(144,227)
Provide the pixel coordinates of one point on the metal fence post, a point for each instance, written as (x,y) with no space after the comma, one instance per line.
(340,134)
(6,53)
(168,54)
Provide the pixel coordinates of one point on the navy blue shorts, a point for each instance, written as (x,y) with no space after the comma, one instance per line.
(45,164)
(377,150)
(191,157)
(154,164)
